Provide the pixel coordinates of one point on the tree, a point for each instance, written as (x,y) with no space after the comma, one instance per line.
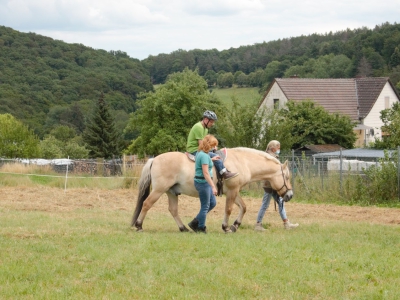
(100,135)
(164,117)
(241,80)
(240,125)
(313,125)
(16,139)
(211,77)
(391,127)
(395,58)
(63,142)
(225,80)
(364,68)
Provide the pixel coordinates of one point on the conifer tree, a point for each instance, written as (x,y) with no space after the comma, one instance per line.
(100,135)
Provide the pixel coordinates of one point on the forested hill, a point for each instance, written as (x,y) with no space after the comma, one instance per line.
(348,53)
(44,82)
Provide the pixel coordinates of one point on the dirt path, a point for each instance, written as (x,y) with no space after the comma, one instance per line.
(56,200)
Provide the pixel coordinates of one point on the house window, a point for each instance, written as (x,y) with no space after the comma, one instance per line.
(387,102)
(276,103)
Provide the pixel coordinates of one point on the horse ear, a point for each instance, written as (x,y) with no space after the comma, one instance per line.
(285,164)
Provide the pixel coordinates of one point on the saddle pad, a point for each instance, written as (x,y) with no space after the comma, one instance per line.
(190,156)
(223,153)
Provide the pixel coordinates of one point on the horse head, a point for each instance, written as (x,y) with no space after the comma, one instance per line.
(282,184)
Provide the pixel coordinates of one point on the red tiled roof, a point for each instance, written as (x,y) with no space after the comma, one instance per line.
(368,90)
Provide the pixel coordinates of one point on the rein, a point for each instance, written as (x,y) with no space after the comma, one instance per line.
(284,183)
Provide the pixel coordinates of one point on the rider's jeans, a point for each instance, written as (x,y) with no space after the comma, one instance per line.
(207,201)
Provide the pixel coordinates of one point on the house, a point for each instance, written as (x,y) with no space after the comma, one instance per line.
(309,150)
(362,99)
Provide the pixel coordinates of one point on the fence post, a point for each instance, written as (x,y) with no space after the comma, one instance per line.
(124,165)
(293,170)
(66,176)
(340,170)
(398,172)
(321,172)
(100,167)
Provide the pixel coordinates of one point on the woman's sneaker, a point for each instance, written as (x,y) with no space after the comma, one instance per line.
(259,227)
(289,225)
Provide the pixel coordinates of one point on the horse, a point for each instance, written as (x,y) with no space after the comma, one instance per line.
(173,173)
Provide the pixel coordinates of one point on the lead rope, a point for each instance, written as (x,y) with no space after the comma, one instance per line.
(280,204)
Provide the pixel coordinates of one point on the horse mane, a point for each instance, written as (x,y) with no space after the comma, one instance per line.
(258,152)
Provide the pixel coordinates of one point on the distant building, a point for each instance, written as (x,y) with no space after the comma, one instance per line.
(309,150)
(362,99)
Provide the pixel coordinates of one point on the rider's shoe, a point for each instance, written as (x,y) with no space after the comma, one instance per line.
(289,225)
(194,225)
(228,175)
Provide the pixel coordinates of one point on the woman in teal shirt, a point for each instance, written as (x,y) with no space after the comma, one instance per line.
(203,182)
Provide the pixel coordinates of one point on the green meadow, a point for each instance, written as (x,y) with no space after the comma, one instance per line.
(244,95)
(90,253)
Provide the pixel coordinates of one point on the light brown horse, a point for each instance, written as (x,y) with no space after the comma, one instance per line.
(172,173)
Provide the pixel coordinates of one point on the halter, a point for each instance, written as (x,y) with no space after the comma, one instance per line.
(284,183)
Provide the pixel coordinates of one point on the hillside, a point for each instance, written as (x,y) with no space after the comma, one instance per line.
(44,82)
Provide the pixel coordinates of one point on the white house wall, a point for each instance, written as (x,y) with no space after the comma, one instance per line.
(373,118)
(274,93)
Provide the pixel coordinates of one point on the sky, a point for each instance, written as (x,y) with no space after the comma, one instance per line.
(151,27)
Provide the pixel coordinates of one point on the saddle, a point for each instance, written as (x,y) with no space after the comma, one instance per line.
(223,153)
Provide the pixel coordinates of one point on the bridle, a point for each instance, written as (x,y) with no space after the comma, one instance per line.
(284,184)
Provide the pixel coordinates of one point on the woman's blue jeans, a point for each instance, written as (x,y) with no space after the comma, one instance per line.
(207,201)
(265,204)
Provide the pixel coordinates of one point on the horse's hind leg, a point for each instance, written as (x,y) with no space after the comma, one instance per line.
(147,204)
(173,209)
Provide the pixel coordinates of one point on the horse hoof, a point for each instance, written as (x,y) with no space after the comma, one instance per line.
(139,229)
(233,228)
(184,229)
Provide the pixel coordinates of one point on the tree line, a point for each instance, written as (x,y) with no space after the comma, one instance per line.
(164,117)
(342,54)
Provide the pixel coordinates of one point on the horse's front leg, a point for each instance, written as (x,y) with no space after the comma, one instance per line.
(242,210)
(173,209)
(230,199)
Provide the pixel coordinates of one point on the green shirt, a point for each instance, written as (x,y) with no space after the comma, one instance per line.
(198,132)
(202,158)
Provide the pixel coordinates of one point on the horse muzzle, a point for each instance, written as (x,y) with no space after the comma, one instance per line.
(288,195)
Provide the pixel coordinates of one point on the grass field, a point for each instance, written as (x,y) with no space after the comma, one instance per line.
(243,95)
(77,244)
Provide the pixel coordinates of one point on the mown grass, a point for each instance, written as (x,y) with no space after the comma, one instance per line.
(91,254)
(247,95)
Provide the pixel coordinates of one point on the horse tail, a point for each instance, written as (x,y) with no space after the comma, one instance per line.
(144,189)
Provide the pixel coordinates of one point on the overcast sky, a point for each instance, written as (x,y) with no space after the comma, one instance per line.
(150,27)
